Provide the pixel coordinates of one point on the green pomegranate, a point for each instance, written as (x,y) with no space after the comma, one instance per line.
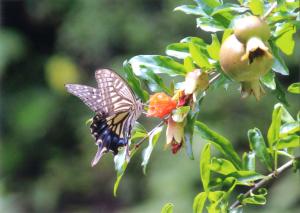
(246,63)
(251,26)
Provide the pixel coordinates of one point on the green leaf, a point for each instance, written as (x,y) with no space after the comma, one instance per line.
(138,131)
(134,82)
(246,177)
(120,166)
(155,82)
(294,88)
(289,128)
(269,80)
(189,132)
(220,142)
(274,129)
(209,24)
(222,166)
(285,115)
(286,42)
(249,161)
(209,3)
(199,202)
(256,7)
(189,64)
(204,166)
(280,93)
(158,64)
(178,50)
(228,7)
(258,199)
(167,208)
(153,138)
(215,201)
(258,145)
(198,56)
(214,48)
(180,113)
(291,141)
(279,65)
(226,34)
(191,10)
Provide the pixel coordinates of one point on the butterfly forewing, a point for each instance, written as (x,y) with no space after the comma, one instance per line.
(114,91)
(89,95)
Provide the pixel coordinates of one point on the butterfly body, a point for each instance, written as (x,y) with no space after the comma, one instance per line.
(116,109)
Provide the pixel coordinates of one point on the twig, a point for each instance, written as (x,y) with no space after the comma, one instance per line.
(137,145)
(264,181)
(274,5)
(214,78)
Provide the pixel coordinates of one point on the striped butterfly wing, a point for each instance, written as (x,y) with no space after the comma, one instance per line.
(116,110)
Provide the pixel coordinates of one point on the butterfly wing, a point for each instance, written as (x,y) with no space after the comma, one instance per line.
(115,91)
(89,95)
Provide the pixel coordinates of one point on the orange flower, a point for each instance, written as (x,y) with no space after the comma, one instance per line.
(160,105)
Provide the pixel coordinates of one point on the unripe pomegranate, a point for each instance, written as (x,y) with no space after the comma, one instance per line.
(251,26)
(246,63)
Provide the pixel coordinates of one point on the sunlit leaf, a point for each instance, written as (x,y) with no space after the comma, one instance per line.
(257,144)
(138,131)
(191,10)
(215,198)
(226,34)
(294,88)
(209,24)
(249,161)
(189,64)
(153,138)
(285,115)
(204,166)
(291,141)
(220,142)
(286,42)
(178,50)
(158,64)
(256,7)
(214,48)
(198,56)
(199,202)
(229,7)
(167,208)
(289,128)
(222,166)
(274,129)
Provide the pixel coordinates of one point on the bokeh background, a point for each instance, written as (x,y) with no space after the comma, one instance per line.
(46,148)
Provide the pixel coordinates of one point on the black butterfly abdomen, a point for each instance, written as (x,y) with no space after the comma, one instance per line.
(104,136)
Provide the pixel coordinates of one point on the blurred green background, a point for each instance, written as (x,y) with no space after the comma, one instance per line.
(46,148)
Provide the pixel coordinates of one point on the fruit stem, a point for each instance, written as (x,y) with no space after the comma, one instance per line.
(274,5)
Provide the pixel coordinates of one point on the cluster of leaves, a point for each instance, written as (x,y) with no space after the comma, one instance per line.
(219,175)
(222,175)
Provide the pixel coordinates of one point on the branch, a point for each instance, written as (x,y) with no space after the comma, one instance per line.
(264,181)
(274,5)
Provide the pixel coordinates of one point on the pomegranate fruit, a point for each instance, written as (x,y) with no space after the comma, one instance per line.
(251,26)
(246,63)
